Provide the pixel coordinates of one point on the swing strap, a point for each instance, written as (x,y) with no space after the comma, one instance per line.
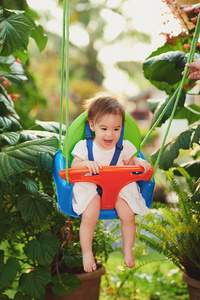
(89,142)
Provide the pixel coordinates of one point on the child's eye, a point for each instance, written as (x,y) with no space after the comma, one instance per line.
(116,129)
(104,129)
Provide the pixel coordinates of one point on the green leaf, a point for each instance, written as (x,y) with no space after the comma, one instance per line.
(33,283)
(14,32)
(8,271)
(165,67)
(35,208)
(196,137)
(40,38)
(6,104)
(25,156)
(31,186)
(45,161)
(68,284)
(44,249)
(152,104)
(29,135)
(164,70)
(73,260)
(48,126)
(10,138)
(9,123)
(172,148)
(192,167)
(17,73)
(191,113)
(22,55)
(168,112)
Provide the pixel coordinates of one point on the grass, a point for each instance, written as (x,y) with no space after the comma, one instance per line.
(153,278)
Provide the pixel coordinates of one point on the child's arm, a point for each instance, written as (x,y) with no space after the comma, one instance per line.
(92,166)
(138,161)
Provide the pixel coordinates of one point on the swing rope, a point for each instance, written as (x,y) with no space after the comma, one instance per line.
(176,94)
(65,63)
(65,74)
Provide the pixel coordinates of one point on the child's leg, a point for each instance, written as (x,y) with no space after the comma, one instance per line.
(128,229)
(89,219)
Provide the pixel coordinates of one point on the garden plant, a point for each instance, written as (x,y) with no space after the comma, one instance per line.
(176,231)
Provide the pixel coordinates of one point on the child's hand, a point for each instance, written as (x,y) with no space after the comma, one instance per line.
(145,165)
(93,166)
(138,161)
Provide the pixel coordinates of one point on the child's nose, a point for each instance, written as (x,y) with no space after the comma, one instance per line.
(109,133)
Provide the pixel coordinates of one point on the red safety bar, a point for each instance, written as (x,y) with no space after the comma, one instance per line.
(111,178)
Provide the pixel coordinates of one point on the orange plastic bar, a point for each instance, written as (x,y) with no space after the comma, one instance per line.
(111,178)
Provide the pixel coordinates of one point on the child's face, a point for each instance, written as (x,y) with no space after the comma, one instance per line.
(107,131)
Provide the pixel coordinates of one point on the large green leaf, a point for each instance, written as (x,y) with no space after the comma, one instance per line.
(8,271)
(165,67)
(168,112)
(44,249)
(64,284)
(35,208)
(15,31)
(33,283)
(171,150)
(164,70)
(25,156)
(16,27)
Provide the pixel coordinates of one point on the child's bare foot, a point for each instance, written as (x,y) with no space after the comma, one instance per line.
(128,257)
(89,264)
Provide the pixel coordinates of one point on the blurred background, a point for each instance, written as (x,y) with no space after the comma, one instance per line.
(109,41)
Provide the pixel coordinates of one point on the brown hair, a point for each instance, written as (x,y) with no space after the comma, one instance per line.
(103,104)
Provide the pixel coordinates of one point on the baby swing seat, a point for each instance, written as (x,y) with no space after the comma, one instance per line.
(110,178)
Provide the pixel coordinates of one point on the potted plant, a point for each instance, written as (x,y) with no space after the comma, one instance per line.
(176,231)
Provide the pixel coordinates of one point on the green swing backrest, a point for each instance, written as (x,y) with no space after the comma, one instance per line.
(77,133)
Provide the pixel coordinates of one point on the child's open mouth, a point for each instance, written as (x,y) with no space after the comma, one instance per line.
(108,142)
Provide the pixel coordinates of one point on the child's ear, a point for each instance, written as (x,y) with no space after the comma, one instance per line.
(91,125)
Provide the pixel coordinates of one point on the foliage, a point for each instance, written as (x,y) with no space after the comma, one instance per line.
(163,69)
(39,245)
(154,277)
(16,29)
(176,231)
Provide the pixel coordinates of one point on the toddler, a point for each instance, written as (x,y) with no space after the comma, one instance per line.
(106,116)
